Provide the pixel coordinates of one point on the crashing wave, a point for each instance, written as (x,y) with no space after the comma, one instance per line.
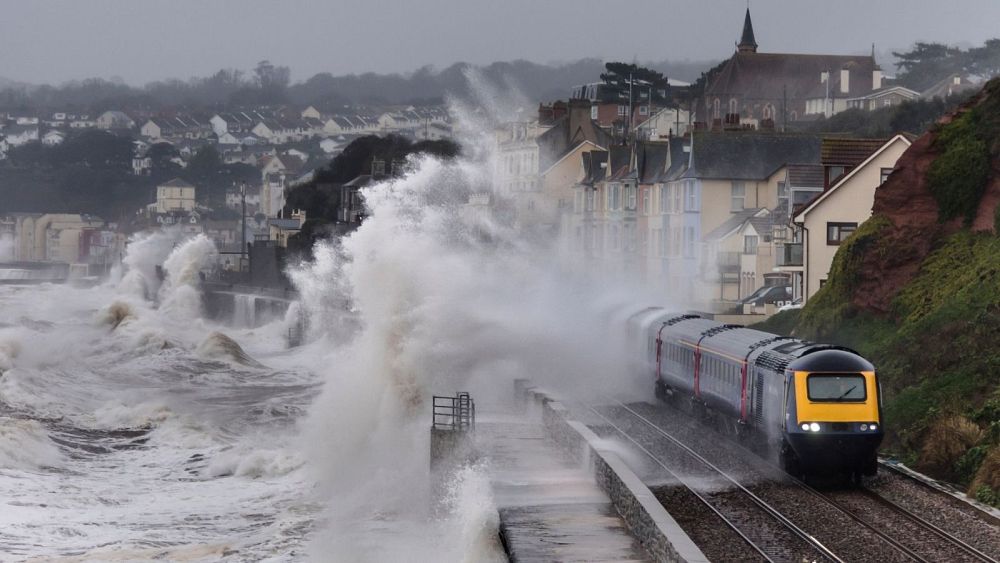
(218,346)
(116,314)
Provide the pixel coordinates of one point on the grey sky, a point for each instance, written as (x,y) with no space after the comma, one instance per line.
(143,40)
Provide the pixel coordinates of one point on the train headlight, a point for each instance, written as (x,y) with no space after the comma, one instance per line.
(864,427)
(874,427)
(814,426)
(805,426)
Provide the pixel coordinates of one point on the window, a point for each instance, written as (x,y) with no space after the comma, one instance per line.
(593,112)
(837,233)
(887,102)
(716,104)
(768,112)
(690,198)
(836,387)
(733,106)
(739,196)
(589,198)
(643,110)
(836,172)
(622,111)
(646,207)
(750,244)
(630,197)
(677,199)
(664,199)
(614,197)
(884,175)
(689,242)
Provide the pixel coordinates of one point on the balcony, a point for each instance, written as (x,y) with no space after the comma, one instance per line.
(728,262)
(789,254)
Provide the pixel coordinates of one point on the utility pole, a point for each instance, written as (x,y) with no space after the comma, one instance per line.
(784,107)
(243,231)
(628,121)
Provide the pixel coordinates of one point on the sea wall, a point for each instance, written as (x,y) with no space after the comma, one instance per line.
(648,521)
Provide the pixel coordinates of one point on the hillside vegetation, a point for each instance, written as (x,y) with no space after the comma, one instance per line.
(917,290)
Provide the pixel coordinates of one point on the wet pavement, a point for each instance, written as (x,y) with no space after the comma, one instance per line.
(550,508)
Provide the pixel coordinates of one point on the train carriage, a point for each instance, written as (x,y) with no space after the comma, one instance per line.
(817,405)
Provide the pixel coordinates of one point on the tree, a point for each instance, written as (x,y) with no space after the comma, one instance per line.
(271,78)
(927,63)
(629,78)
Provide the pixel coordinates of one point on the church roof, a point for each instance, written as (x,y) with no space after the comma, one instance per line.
(747,41)
(771,76)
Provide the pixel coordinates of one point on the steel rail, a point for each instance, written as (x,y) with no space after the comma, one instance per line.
(759,502)
(690,489)
(909,552)
(931,527)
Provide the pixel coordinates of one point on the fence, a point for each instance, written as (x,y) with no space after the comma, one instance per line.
(454,413)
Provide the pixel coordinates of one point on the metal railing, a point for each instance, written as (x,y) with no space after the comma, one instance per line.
(454,413)
(789,254)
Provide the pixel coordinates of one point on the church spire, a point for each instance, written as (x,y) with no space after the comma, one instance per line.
(747,42)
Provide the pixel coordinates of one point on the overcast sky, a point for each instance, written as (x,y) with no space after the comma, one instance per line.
(143,40)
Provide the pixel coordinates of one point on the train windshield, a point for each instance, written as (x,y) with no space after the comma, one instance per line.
(836,387)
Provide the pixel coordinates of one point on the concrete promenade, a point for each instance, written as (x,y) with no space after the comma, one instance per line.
(550,507)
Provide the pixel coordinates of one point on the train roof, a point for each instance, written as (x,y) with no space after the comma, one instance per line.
(831,359)
(735,341)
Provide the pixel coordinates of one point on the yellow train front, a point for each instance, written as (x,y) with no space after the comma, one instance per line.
(833,415)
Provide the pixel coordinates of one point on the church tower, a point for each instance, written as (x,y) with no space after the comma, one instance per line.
(747,42)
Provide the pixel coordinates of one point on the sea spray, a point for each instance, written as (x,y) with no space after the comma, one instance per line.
(444,301)
(144,253)
(179,295)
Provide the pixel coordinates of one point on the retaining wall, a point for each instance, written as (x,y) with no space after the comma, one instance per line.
(648,521)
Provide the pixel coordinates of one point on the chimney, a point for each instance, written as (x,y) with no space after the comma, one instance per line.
(845,81)
(558,110)
(544,113)
(876,78)
(579,116)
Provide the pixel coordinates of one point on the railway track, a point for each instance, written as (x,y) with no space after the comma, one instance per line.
(910,537)
(764,529)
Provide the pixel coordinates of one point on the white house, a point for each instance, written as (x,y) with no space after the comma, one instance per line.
(228,138)
(329,146)
(836,213)
(175,195)
(53,138)
(114,119)
(18,135)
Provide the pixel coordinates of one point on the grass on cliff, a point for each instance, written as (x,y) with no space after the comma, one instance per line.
(958,176)
(938,353)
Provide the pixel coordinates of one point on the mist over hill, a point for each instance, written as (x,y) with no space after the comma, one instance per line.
(236,88)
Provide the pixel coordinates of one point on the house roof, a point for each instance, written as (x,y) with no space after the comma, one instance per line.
(651,161)
(734,223)
(947,86)
(286,224)
(821,197)
(619,158)
(593,171)
(805,175)
(848,152)
(770,76)
(748,155)
(888,90)
(554,143)
(678,162)
(176,183)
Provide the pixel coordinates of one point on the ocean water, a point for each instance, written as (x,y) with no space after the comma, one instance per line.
(132,428)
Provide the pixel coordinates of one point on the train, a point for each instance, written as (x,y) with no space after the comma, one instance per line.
(818,406)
